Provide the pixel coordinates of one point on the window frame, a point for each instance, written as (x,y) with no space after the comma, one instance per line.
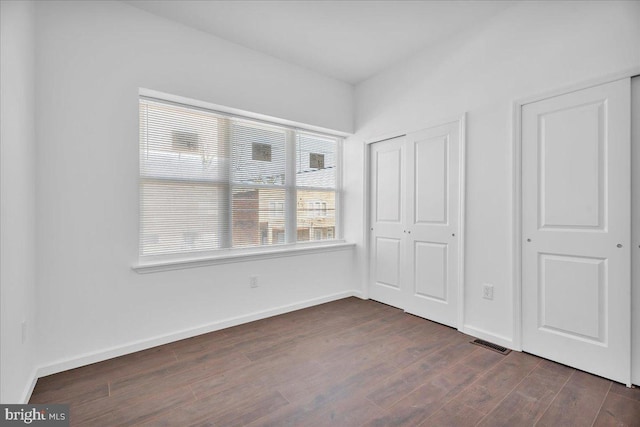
(148,263)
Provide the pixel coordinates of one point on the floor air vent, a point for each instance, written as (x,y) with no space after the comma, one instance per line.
(491,346)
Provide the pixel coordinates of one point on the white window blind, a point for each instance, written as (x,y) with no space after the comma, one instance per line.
(210,181)
(316,165)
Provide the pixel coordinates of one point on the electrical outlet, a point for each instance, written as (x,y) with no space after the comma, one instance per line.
(253,281)
(487,291)
(24,332)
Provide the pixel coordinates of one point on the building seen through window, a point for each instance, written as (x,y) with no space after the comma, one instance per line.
(210,181)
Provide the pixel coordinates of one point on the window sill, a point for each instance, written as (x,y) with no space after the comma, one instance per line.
(230,257)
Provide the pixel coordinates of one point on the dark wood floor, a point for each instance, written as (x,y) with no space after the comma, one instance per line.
(346,363)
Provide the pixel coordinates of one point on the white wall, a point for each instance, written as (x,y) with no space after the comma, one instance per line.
(92,58)
(17,200)
(528,49)
(635,230)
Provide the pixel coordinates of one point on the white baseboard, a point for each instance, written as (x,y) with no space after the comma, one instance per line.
(359,294)
(488,336)
(99,356)
(28,390)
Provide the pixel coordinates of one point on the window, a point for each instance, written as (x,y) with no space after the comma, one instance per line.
(185,141)
(277,209)
(318,208)
(211,181)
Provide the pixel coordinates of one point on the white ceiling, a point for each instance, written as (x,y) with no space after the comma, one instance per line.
(347,40)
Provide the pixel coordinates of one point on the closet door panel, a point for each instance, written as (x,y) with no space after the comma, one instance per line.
(433,195)
(387,255)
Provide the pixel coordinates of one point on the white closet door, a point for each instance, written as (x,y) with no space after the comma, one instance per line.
(415,189)
(387,184)
(576,229)
(433,191)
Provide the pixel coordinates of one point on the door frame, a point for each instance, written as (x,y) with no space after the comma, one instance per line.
(516,230)
(461,119)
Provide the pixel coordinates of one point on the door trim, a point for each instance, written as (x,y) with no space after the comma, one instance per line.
(461,119)
(516,198)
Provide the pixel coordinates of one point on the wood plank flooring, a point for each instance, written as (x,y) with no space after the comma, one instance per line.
(345,363)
